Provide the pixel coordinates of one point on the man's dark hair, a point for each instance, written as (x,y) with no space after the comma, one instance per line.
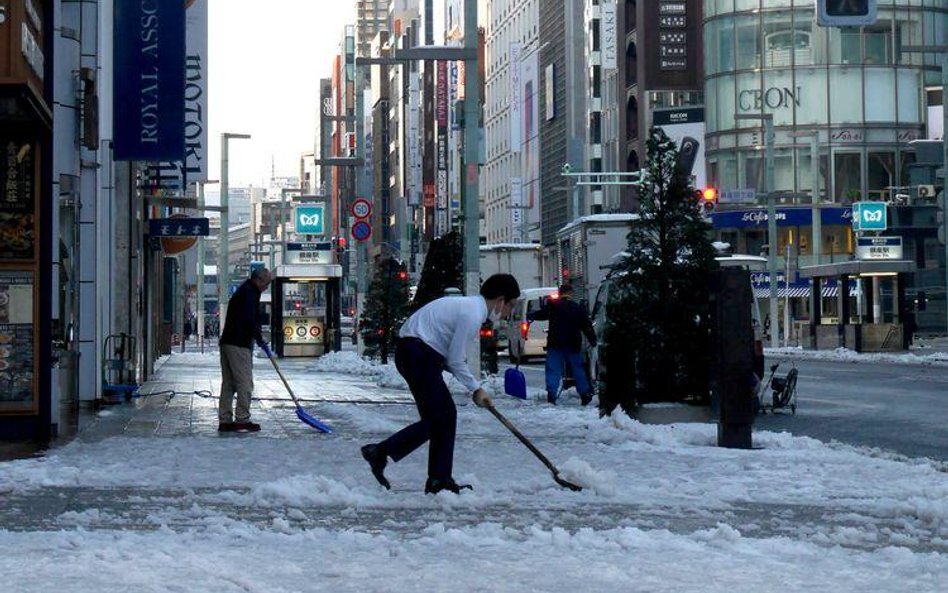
(498,285)
(259,274)
(565,288)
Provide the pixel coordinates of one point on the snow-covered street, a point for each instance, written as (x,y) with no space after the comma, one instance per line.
(151,498)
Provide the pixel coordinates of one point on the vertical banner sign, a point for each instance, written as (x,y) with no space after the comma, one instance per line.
(516,99)
(195,91)
(607,33)
(149,51)
(413,175)
(441,119)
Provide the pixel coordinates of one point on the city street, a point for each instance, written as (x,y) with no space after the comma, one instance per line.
(896,407)
(151,498)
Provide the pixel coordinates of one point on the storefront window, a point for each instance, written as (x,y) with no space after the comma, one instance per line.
(845,86)
(879,45)
(811,93)
(847,171)
(910,106)
(725,100)
(881,174)
(778,40)
(882,105)
(748,43)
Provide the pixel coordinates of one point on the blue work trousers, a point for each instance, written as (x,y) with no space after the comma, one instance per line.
(421,366)
(556,361)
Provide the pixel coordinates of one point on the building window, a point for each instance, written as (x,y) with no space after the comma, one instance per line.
(632,118)
(630,15)
(631,65)
(847,172)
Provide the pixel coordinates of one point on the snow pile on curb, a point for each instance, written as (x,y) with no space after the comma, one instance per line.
(350,363)
(847,355)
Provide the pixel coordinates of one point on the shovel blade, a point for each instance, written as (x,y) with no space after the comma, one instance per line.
(304,416)
(566,484)
(515,384)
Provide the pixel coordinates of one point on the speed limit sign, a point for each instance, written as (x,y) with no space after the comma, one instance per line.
(361,208)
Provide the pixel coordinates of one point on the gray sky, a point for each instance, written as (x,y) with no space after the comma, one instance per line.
(266,59)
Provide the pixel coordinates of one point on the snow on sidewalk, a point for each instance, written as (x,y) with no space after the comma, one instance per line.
(663,510)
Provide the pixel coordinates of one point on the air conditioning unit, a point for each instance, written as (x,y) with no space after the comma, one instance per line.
(926,191)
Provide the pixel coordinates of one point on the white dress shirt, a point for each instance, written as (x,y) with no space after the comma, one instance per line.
(449,325)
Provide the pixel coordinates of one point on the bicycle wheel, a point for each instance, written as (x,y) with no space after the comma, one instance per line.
(790,387)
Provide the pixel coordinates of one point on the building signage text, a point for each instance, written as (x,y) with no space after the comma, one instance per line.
(772,98)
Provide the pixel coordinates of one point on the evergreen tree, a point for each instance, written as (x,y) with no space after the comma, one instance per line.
(655,346)
(386,308)
(442,270)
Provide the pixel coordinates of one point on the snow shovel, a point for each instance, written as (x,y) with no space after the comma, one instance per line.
(534,450)
(302,414)
(515,383)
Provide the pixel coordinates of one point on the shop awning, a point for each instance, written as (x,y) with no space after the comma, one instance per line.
(763,292)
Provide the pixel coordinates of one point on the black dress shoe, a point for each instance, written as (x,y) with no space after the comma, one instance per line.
(377,461)
(435,485)
(585,399)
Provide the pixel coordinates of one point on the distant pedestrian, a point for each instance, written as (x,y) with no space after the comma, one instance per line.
(434,339)
(241,330)
(564,342)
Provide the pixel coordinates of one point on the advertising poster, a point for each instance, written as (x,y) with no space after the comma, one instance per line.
(17,202)
(16,341)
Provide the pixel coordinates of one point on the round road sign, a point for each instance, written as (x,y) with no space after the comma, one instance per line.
(361,231)
(361,208)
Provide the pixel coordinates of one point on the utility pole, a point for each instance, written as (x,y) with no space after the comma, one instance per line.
(769,182)
(223,243)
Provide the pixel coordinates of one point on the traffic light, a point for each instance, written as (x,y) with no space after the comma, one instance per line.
(845,13)
(708,198)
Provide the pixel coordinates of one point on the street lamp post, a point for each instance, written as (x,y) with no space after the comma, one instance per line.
(223,243)
(768,121)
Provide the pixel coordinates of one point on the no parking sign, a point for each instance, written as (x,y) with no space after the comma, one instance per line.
(361,231)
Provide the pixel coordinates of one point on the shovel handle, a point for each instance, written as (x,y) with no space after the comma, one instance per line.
(280,373)
(523,440)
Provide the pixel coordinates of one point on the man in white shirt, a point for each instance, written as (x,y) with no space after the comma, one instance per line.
(434,339)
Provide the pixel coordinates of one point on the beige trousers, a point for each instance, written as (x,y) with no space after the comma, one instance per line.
(237,376)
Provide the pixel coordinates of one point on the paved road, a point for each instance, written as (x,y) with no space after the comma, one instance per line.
(899,408)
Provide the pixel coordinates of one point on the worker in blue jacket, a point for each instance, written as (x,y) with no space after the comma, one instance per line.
(564,342)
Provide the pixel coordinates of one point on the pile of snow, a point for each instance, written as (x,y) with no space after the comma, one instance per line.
(847,355)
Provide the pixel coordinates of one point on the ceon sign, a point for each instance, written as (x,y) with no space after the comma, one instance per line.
(869,216)
(310,220)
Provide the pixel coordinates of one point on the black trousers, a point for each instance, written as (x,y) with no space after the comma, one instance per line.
(421,366)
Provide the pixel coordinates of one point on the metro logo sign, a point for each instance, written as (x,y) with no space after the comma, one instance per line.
(310,220)
(870,216)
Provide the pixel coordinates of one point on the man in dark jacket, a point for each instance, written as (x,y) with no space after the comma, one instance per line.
(564,342)
(241,330)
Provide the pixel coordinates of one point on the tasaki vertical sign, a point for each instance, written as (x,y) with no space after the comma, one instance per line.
(309,220)
(149,52)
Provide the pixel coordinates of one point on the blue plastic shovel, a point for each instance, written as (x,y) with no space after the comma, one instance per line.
(302,414)
(515,383)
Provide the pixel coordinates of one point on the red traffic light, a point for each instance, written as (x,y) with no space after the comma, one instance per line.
(341,242)
(403,275)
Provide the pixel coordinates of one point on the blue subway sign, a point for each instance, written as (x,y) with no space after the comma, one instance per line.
(869,216)
(310,220)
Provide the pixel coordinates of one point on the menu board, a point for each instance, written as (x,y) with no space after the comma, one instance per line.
(17,202)
(16,340)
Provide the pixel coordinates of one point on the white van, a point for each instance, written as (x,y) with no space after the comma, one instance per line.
(526,339)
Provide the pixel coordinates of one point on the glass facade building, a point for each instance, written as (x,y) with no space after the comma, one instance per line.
(852,87)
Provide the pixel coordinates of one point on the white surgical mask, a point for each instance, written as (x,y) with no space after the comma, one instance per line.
(494,315)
